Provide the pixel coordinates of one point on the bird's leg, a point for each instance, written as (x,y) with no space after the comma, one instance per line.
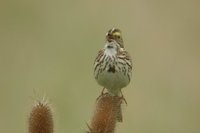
(102,93)
(122,97)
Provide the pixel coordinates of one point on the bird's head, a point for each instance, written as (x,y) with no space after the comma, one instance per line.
(115,35)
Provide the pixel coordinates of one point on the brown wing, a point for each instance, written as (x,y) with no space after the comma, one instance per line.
(98,59)
(123,54)
(99,55)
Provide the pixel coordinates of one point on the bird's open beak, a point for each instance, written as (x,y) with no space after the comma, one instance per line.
(109,37)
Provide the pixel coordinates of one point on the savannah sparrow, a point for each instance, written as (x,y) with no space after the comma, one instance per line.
(113,65)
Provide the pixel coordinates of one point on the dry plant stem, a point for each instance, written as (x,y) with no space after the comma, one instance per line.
(40,120)
(107,113)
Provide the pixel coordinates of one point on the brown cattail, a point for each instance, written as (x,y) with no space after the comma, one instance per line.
(107,113)
(41,120)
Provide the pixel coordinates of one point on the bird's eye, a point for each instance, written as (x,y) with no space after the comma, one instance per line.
(118,37)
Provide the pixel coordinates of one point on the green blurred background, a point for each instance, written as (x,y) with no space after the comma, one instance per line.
(48,48)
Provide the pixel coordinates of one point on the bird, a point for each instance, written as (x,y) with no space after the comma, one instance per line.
(113,64)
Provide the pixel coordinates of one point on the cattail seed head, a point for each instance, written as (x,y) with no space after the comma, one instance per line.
(107,113)
(40,120)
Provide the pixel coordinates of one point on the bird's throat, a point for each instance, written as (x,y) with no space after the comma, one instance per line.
(110,52)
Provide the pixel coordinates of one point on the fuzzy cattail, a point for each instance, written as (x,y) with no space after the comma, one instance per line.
(40,120)
(107,113)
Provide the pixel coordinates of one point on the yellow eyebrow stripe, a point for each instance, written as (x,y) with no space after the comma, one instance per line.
(116,34)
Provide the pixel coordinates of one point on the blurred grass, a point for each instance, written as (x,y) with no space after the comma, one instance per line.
(50,46)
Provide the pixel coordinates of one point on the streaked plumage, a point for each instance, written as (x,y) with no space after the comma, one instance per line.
(113,65)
